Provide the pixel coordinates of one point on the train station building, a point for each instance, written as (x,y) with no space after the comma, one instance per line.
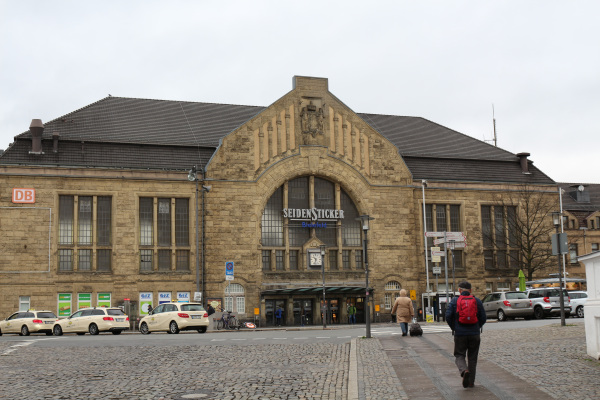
(251,208)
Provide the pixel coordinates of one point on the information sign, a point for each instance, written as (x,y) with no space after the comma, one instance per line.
(229,271)
(164,297)
(145,302)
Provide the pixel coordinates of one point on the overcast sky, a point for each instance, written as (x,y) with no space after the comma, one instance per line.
(536,62)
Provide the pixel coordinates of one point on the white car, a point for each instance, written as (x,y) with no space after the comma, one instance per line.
(30,321)
(93,320)
(578,300)
(175,317)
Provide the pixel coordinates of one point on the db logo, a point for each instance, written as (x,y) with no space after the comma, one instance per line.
(23,196)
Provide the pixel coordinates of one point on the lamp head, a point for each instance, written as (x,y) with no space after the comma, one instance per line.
(556,218)
(322,249)
(192,174)
(365,221)
(206,188)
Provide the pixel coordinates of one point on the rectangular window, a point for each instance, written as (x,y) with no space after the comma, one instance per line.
(388,301)
(333,265)
(240,305)
(488,257)
(358,257)
(279,260)
(228,304)
(104,260)
(455,218)
(489,287)
(500,231)
(486,225)
(503,286)
(164,222)
(183,260)
(514,260)
(65,260)
(346,259)
(85,260)
(440,218)
(501,259)
(294,260)
(65,219)
(146,260)
(146,221)
(182,222)
(266,260)
(458,259)
(573,253)
(84,220)
(24,303)
(164,260)
(594,246)
(104,217)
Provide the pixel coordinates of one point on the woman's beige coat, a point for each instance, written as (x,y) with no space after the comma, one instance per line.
(403,307)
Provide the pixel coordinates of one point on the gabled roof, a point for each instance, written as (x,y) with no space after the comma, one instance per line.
(141,133)
(589,199)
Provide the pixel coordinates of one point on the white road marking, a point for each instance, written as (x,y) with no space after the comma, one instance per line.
(218,340)
(323,337)
(238,339)
(343,337)
(300,338)
(259,338)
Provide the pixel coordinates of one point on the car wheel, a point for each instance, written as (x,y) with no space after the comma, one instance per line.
(24,330)
(144,329)
(579,311)
(116,332)
(173,328)
(538,313)
(501,315)
(57,330)
(80,333)
(202,330)
(93,329)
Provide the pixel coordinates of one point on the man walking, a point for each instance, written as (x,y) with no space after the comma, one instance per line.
(465,316)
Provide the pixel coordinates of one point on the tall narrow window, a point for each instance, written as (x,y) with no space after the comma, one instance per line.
(440,218)
(104,260)
(266,260)
(358,256)
(164,260)
(351,229)
(85,260)
(293,260)
(325,200)
(182,222)
(183,260)
(298,198)
(333,265)
(104,220)
(346,259)
(486,225)
(65,260)
(146,260)
(85,220)
(65,219)
(164,222)
(272,220)
(279,261)
(146,221)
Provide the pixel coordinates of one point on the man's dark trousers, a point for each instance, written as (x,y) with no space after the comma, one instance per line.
(466,348)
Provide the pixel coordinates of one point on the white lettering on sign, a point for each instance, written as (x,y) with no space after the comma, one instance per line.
(23,196)
(313,214)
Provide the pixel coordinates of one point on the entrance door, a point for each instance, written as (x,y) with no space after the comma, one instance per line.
(303,314)
(359,303)
(271,307)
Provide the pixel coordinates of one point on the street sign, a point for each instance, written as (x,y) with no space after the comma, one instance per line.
(434,234)
(229,271)
(457,243)
(437,270)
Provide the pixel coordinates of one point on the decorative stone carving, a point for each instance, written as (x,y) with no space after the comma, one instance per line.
(312,123)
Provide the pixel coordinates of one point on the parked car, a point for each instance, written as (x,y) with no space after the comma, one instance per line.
(30,321)
(93,320)
(578,300)
(504,305)
(546,302)
(175,317)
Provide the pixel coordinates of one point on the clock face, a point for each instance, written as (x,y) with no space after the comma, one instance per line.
(315,259)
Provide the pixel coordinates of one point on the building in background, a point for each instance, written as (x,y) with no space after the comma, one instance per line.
(97,207)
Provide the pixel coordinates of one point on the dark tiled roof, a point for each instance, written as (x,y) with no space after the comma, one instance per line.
(590,201)
(473,170)
(140,133)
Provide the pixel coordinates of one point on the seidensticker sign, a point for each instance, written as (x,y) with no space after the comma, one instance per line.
(313,214)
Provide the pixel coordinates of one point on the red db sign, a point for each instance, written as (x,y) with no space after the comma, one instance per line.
(23,196)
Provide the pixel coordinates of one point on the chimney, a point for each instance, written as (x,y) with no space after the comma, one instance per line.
(55,136)
(524,162)
(37,129)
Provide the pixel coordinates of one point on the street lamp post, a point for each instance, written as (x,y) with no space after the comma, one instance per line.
(365,227)
(556,218)
(323,272)
(193,177)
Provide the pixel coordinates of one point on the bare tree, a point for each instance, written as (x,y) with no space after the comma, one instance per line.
(518,231)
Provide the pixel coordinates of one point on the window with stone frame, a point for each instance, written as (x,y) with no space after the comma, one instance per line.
(440,218)
(281,233)
(573,253)
(164,234)
(500,244)
(80,235)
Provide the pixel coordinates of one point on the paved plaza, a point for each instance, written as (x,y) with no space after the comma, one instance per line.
(548,361)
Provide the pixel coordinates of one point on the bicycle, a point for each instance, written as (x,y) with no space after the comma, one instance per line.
(228,321)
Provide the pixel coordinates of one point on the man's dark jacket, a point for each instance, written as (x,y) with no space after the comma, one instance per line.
(465,329)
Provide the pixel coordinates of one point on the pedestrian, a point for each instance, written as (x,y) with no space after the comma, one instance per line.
(404,310)
(465,316)
(278,314)
(352,313)
(210,309)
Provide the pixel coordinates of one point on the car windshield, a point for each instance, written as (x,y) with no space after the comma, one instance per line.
(115,311)
(46,315)
(192,307)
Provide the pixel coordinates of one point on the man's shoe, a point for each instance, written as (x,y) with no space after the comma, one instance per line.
(471,385)
(404,334)
(465,380)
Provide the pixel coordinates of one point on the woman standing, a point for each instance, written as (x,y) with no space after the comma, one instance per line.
(404,310)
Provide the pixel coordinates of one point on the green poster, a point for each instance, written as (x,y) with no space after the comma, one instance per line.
(64,304)
(145,302)
(103,300)
(84,300)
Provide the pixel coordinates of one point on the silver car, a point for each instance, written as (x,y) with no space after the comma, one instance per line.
(578,300)
(504,305)
(546,302)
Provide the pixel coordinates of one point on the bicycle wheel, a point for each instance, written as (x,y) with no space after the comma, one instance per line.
(233,323)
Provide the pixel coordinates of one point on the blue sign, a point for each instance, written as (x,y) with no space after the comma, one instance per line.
(229,271)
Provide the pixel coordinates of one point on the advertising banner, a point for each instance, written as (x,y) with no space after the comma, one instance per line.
(84,300)
(164,297)
(183,297)
(64,304)
(145,302)
(103,300)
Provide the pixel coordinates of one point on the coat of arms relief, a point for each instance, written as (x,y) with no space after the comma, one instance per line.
(312,122)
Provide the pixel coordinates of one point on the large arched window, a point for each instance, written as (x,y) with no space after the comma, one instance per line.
(304,207)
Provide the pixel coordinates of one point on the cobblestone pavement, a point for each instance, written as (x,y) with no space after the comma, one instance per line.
(552,358)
